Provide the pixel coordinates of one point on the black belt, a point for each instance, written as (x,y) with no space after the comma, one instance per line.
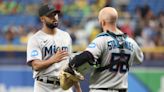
(48,80)
(119,90)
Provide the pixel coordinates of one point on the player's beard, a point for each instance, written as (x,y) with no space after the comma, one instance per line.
(51,25)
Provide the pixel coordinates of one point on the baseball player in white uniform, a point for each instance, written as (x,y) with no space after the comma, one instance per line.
(111,53)
(48,51)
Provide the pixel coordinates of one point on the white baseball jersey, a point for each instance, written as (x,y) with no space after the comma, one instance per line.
(106,48)
(42,46)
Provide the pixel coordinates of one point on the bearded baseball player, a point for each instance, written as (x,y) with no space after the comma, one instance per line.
(48,51)
(111,54)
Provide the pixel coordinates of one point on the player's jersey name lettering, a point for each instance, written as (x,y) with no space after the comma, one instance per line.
(113,44)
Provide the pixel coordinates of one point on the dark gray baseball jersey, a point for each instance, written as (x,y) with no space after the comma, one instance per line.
(105,48)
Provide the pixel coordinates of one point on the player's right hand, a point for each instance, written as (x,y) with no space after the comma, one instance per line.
(59,56)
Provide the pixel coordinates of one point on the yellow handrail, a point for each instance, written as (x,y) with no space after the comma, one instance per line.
(159,49)
(12,48)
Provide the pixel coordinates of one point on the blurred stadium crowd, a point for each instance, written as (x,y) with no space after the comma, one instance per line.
(141,19)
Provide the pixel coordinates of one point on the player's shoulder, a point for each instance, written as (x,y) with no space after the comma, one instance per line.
(129,39)
(103,34)
(101,37)
(36,35)
(62,32)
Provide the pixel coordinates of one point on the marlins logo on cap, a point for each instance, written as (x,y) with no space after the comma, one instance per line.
(50,6)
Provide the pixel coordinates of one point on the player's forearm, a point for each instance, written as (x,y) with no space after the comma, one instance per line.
(38,65)
(43,64)
(84,57)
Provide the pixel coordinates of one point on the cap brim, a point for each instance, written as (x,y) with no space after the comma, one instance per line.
(57,11)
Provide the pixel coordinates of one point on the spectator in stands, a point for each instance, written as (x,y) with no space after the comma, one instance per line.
(9,37)
(126,27)
(21,30)
(161,25)
(58,4)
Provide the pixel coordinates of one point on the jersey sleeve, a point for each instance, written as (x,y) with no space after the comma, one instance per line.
(33,50)
(96,47)
(138,54)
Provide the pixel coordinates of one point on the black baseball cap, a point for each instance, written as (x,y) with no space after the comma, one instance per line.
(47,9)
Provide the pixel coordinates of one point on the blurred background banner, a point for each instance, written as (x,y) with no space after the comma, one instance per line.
(142,20)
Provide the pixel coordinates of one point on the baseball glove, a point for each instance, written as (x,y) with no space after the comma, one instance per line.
(67,80)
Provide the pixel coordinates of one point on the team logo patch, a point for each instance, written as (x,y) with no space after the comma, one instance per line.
(92,45)
(34,53)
